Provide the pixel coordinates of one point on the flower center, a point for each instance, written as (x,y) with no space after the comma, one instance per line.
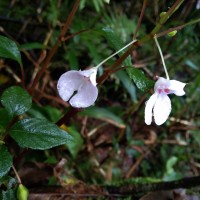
(166,90)
(163,89)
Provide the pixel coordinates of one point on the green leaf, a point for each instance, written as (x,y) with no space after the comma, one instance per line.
(116,42)
(11,185)
(75,147)
(105,115)
(45,112)
(38,134)
(128,85)
(8,195)
(5,161)
(142,82)
(8,49)
(16,100)
(33,45)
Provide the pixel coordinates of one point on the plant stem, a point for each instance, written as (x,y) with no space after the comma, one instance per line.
(117,63)
(162,58)
(140,19)
(178,27)
(17,175)
(164,18)
(133,41)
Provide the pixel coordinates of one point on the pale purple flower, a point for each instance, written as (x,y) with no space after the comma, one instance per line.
(81,82)
(159,104)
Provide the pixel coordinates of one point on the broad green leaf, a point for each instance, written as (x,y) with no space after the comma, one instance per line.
(11,184)
(105,115)
(130,87)
(75,147)
(8,49)
(16,100)
(9,194)
(5,160)
(142,82)
(45,112)
(34,45)
(38,134)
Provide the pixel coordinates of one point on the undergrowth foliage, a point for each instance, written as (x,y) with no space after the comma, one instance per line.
(75,78)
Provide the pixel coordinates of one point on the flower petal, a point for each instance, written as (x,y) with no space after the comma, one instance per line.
(148,109)
(68,83)
(86,95)
(162,109)
(160,83)
(92,73)
(177,87)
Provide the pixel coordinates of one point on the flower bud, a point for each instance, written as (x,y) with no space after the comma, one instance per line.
(162,14)
(22,192)
(172,33)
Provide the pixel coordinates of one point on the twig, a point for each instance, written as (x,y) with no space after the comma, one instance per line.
(55,47)
(140,19)
(177,28)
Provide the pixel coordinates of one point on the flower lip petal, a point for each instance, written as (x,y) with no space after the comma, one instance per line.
(85,97)
(177,87)
(162,109)
(68,83)
(149,107)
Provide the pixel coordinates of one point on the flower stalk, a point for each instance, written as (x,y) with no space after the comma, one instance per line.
(101,63)
(162,58)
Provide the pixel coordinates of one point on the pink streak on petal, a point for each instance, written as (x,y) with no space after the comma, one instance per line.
(162,109)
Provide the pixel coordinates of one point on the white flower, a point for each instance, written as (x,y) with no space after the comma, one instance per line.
(159,104)
(84,82)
